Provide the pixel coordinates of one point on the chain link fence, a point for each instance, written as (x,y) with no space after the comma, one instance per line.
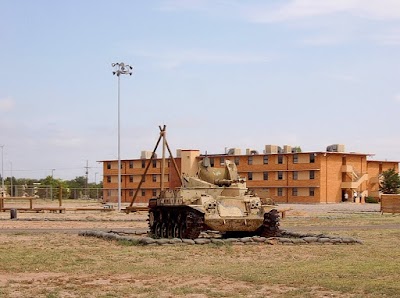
(53,193)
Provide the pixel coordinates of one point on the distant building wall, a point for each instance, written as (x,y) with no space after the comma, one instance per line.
(303,177)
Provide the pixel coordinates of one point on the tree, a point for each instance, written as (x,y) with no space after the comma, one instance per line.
(78,182)
(390,182)
(77,187)
(56,185)
(296,149)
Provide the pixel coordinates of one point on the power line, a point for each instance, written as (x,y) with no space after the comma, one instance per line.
(55,169)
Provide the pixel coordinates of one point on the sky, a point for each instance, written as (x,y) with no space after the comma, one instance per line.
(218,74)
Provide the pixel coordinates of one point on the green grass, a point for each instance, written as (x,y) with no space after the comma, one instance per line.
(58,265)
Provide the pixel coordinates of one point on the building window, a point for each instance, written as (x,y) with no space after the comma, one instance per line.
(237,159)
(295,175)
(280,159)
(311,191)
(265,175)
(250,176)
(109,193)
(265,159)
(108,179)
(222,161)
(143,163)
(143,193)
(212,162)
(143,178)
(108,165)
(154,178)
(250,160)
(131,164)
(294,191)
(154,192)
(295,158)
(280,175)
(312,174)
(131,178)
(312,157)
(280,192)
(131,193)
(154,163)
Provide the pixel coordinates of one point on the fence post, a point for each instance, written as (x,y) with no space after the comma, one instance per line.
(60,197)
(13,213)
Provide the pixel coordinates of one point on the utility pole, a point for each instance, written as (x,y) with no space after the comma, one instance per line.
(2,170)
(11,191)
(86,180)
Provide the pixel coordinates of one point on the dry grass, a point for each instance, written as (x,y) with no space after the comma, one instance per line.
(65,265)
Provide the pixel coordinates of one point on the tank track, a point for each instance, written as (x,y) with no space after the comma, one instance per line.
(270,227)
(175,222)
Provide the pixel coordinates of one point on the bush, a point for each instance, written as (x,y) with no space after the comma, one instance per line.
(371,200)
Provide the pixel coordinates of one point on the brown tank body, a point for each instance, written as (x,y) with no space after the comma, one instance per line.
(215,199)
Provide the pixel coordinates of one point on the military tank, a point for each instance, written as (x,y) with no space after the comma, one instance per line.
(214,199)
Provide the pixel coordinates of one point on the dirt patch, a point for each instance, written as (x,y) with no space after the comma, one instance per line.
(62,285)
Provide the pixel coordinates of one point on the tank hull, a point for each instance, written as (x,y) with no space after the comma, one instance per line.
(234,224)
(185,221)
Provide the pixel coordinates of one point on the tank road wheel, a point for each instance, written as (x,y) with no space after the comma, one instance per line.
(175,230)
(157,230)
(164,230)
(194,224)
(182,230)
(170,230)
(270,227)
(152,225)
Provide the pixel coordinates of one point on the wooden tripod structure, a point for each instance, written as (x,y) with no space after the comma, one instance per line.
(163,133)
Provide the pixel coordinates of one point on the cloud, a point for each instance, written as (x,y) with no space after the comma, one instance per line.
(297,9)
(266,12)
(6,104)
(303,9)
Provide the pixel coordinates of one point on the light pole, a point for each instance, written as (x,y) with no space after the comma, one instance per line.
(2,170)
(119,69)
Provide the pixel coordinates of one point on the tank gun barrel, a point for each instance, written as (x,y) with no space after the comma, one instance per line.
(223,182)
(227,182)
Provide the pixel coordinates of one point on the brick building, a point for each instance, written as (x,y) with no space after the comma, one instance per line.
(282,174)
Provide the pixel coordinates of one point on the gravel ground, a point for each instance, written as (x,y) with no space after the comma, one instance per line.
(331,208)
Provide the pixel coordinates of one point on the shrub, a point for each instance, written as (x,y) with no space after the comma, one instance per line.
(371,200)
